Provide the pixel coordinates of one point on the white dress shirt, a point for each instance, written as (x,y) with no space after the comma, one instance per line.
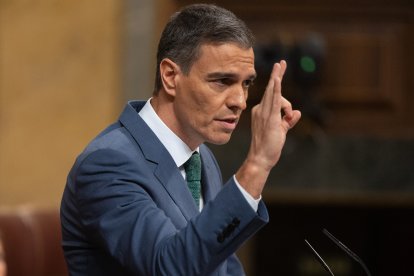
(179,151)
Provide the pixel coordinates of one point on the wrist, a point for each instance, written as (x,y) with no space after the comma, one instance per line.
(252,177)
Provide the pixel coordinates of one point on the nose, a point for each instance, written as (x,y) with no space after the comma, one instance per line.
(236,101)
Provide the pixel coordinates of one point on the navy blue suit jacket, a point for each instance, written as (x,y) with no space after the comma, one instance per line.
(126,209)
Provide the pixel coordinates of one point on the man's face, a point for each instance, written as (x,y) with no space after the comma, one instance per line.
(211,97)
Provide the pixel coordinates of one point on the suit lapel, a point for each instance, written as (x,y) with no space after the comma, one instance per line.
(166,170)
(205,181)
(176,186)
(210,180)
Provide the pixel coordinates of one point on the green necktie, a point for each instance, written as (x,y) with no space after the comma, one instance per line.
(193,175)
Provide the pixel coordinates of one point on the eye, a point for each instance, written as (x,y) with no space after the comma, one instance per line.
(223,81)
(247,83)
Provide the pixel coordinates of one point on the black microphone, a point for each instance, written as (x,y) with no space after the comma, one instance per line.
(343,247)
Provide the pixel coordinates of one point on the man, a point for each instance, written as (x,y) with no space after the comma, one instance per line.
(127,210)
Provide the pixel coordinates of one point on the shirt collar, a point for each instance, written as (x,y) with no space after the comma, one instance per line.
(179,150)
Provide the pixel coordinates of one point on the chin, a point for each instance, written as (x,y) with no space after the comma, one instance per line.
(219,141)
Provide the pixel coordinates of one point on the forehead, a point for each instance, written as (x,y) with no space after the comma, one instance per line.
(225,58)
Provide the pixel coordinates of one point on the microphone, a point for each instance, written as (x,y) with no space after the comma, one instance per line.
(344,248)
(319,258)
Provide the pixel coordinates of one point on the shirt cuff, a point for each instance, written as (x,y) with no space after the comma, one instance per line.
(254,203)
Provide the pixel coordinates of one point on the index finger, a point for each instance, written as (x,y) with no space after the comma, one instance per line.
(277,89)
(272,93)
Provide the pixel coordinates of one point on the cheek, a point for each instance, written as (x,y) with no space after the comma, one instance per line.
(202,105)
(199,104)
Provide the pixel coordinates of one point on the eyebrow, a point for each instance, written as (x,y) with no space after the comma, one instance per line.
(220,75)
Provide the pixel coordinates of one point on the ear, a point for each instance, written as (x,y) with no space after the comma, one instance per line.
(169,71)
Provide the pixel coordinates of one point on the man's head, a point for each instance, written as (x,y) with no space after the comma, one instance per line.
(195,26)
(205,68)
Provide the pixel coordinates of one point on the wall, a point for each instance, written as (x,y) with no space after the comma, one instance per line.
(59,85)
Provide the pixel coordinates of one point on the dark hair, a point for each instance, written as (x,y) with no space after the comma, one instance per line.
(194,26)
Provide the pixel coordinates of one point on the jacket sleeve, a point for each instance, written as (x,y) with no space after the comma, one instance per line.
(120,216)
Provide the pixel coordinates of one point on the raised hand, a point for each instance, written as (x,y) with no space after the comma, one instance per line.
(269,129)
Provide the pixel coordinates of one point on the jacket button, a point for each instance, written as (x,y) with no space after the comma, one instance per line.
(236,222)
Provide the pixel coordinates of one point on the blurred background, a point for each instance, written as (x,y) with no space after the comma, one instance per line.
(68,67)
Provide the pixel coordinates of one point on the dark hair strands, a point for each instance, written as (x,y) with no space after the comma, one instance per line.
(197,25)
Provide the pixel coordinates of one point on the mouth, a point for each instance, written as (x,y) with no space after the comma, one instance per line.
(228,123)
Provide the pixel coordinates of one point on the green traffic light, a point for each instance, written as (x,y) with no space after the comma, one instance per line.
(307,64)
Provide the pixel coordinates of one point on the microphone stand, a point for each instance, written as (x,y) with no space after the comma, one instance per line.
(344,248)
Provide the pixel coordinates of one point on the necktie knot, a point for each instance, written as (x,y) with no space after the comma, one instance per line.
(193,176)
